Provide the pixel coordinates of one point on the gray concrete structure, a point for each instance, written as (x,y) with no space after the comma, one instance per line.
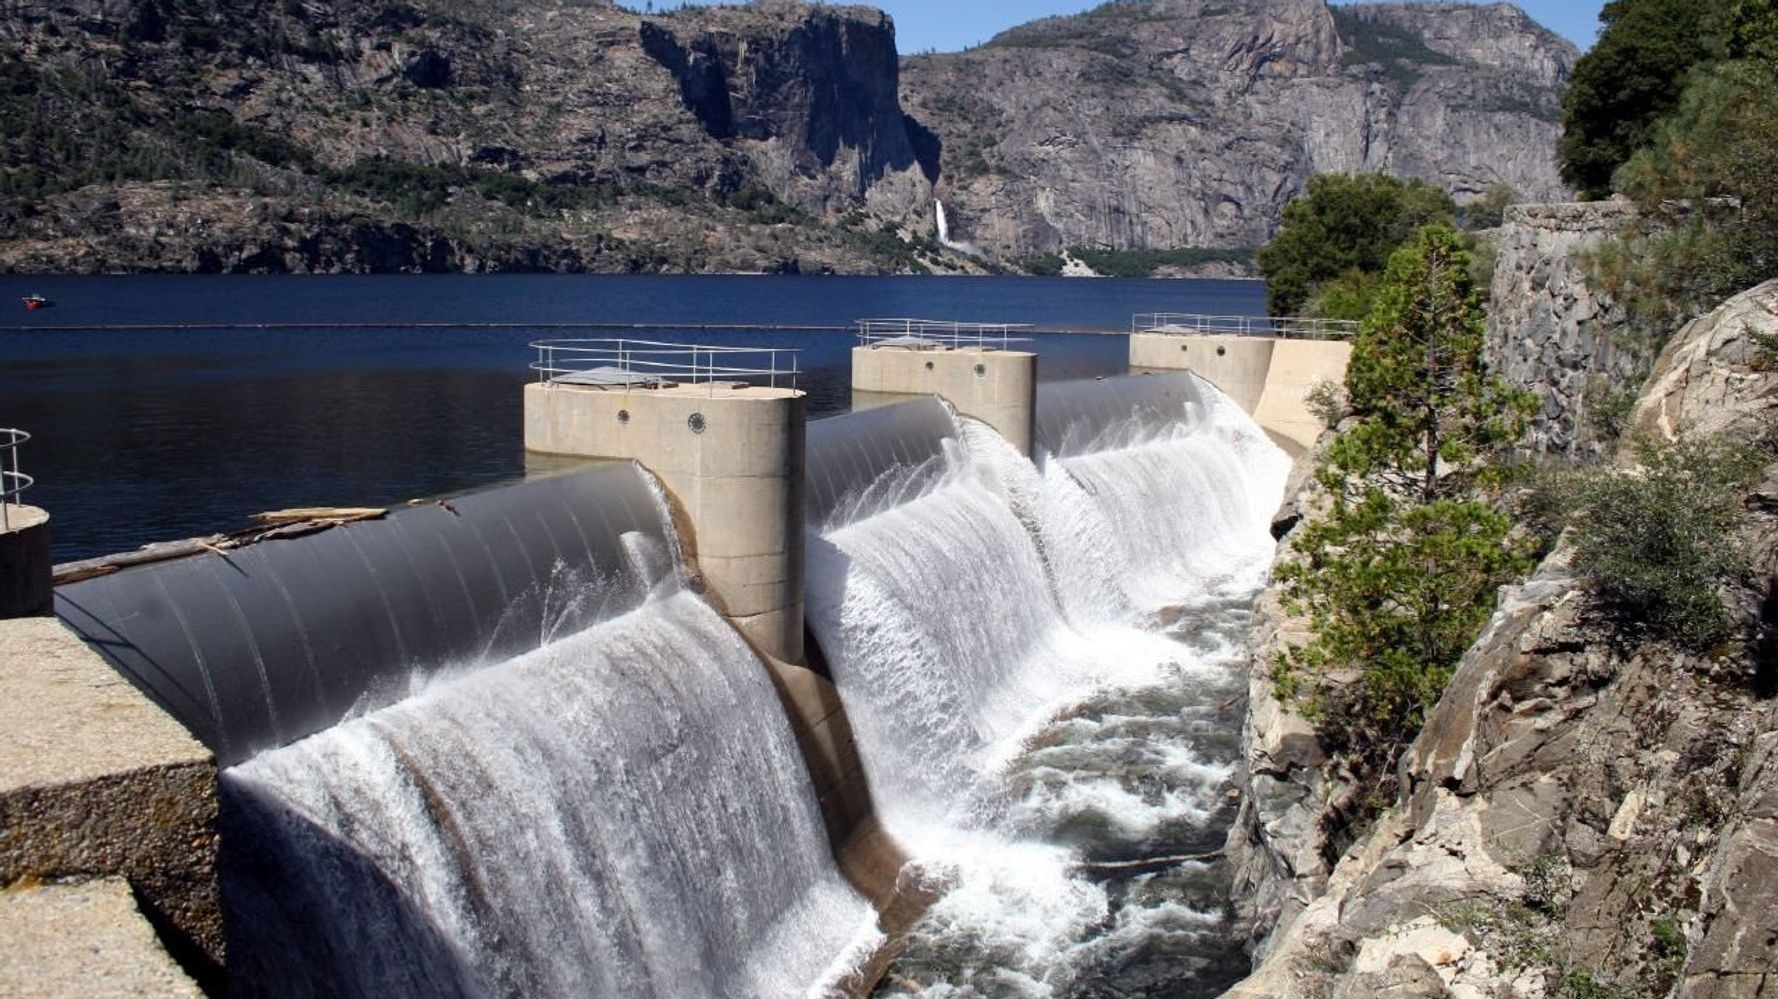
(998,387)
(24,562)
(730,457)
(96,782)
(85,940)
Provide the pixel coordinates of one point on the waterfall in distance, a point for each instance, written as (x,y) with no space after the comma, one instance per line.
(1040,661)
(943,226)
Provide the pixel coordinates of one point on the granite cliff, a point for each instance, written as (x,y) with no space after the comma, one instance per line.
(322,135)
(416,135)
(1173,123)
(1584,815)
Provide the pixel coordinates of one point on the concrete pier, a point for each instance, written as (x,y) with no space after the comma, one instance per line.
(100,787)
(1267,376)
(998,387)
(730,456)
(24,563)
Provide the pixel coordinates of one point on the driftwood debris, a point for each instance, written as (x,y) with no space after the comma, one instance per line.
(274,524)
(330,514)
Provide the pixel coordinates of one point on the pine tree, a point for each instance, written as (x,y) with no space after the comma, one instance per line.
(1397,575)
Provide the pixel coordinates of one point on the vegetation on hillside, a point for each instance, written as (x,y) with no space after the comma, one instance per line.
(1397,573)
(1631,77)
(1336,239)
(1698,163)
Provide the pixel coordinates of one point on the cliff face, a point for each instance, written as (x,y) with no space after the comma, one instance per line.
(552,135)
(1582,815)
(819,109)
(573,134)
(1191,122)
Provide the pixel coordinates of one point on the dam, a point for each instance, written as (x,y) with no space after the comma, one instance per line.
(744,705)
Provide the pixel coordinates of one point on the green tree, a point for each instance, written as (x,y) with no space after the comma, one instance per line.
(1707,183)
(1632,76)
(1397,575)
(1343,223)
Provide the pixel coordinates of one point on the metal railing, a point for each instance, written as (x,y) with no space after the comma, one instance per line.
(13,482)
(1283,327)
(936,334)
(624,363)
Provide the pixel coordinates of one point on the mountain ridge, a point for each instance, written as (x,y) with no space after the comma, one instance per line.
(462,135)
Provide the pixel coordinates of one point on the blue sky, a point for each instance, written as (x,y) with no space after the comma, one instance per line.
(947,25)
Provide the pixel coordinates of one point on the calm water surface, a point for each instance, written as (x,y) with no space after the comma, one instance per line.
(147,435)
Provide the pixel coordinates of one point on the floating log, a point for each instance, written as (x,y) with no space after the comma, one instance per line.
(274,525)
(338,514)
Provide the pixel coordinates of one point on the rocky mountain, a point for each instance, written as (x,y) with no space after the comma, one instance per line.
(410,135)
(1169,123)
(299,135)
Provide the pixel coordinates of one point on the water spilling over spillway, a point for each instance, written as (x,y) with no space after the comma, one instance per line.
(1041,664)
(619,813)
(489,748)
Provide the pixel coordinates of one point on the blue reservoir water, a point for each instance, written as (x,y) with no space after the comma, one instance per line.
(154,434)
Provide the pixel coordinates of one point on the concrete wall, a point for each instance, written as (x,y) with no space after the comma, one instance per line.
(1554,334)
(98,783)
(24,563)
(998,387)
(731,459)
(1296,366)
(1270,378)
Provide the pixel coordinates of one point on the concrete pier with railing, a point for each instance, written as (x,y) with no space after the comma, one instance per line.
(723,430)
(969,365)
(1267,365)
(24,538)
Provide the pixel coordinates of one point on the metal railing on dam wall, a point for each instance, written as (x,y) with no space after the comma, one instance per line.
(1281,327)
(13,482)
(265,644)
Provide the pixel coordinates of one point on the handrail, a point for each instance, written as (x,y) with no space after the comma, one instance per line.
(1283,327)
(13,482)
(655,364)
(935,334)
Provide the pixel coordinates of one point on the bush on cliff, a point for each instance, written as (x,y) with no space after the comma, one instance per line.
(1657,543)
(1344,223)
(1397,574)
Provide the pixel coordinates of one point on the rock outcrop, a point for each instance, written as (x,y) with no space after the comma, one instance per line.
(1551,332)
(439,135)
(1191,122)
(1582,815)
(557,134)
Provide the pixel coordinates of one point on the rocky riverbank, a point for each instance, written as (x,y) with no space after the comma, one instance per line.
(1583,815)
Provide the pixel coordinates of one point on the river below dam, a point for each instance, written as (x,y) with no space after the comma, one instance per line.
(153,434)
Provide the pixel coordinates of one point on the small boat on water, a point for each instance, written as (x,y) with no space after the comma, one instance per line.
(33,302)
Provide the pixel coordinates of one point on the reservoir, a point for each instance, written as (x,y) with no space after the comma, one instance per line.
(154,434)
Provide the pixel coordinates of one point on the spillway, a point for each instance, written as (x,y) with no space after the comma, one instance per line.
(1040,661)
(619,813)
(489,747)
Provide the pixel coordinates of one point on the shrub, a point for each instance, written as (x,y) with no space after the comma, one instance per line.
(1656,543)
(1326,402)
